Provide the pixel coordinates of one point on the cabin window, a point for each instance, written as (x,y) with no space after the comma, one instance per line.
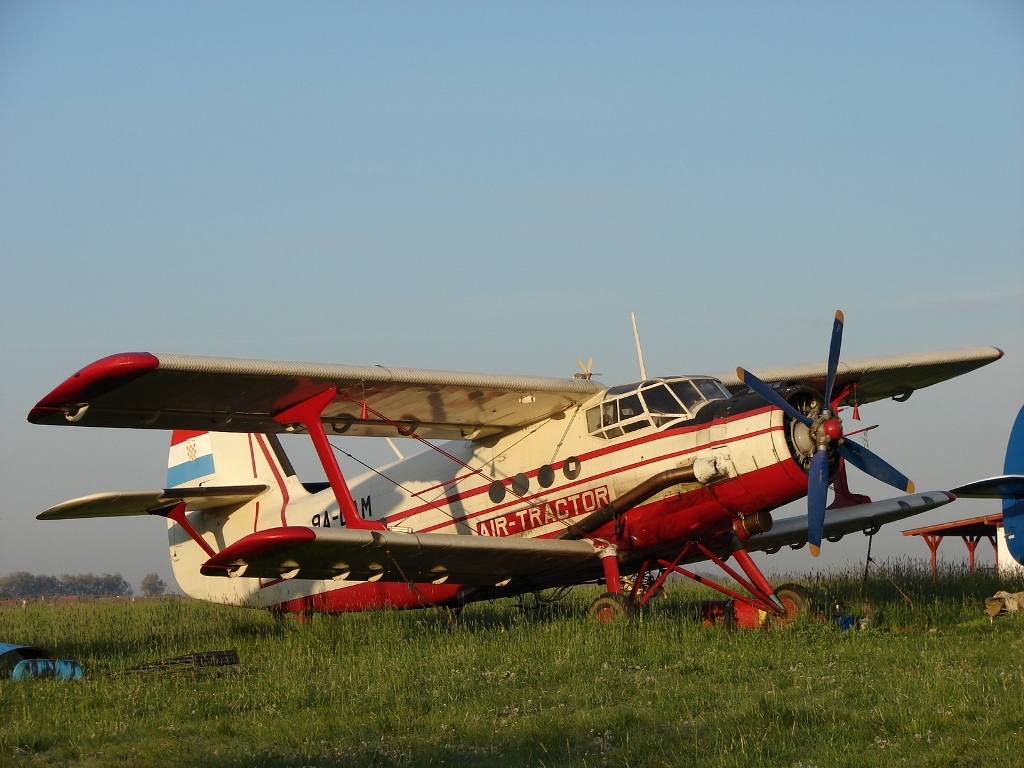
(609,413)
(618,416)
(546,476)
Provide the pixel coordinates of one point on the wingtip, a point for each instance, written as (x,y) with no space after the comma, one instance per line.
(814,549)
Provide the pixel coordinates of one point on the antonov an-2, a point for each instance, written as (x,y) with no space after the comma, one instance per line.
(546,482)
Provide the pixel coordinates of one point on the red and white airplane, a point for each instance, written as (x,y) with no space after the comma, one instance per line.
(546,482)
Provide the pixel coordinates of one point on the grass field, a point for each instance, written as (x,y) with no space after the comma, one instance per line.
(930,685)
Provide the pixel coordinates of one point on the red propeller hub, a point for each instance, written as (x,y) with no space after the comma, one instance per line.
(832,428)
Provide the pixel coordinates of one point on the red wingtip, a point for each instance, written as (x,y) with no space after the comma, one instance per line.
(261,544)
(93,380)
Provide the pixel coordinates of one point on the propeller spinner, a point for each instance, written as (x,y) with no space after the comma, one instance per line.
(824,430)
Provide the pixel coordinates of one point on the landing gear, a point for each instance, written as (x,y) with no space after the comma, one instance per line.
(611,608)
(795,599)
(762,597)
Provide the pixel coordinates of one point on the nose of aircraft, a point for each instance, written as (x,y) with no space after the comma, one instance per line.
(833,428)
(826,431)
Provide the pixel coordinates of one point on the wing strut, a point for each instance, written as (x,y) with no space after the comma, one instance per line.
(307,413)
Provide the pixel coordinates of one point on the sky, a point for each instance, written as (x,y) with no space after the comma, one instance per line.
(495,187)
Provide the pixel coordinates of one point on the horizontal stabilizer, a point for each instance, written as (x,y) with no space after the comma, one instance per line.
(392,556)
(792,531)
(125,503)
(1001,487)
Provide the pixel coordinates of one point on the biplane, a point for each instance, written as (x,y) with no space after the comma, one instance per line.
(527,483)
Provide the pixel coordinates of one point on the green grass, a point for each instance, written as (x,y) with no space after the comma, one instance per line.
(932,685)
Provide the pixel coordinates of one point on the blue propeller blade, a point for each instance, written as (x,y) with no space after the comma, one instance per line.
(833,356)
(771,396)
(817,497)
(867,462)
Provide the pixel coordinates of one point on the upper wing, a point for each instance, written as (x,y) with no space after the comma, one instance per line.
(144,391)
(838,522)
(124,503)
(879,377)
(361,555)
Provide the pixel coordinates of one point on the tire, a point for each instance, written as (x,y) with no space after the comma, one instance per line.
(612,608)
(796,600)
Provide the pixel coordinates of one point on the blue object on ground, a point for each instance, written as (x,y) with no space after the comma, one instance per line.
(844,622)
(61,670)
(11,655)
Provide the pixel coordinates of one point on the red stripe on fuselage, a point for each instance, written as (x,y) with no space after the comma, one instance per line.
(369,595)
(585,481)
(470,493)
(277,477)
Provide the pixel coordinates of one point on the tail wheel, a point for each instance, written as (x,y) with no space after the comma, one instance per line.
(795,599)
(611,608)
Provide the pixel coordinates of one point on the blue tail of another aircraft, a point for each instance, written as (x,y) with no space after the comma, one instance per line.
(1013,502)
(1009,487)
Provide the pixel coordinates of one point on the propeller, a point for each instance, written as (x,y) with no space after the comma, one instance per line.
(586,369)
(825,432)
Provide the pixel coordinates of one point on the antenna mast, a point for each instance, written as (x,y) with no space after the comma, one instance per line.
(639,351)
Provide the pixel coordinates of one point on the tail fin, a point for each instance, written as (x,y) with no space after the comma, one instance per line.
(1013,496)
(225,458)
(1009,487)
(218,459)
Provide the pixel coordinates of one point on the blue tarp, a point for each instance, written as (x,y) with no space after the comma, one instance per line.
(11,655)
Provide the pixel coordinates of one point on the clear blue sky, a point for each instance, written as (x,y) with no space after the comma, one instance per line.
(494,187)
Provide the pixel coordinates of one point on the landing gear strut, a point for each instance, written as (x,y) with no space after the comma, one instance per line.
(762,596)
(612,606)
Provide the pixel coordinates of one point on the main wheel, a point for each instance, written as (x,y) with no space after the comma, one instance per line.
(612,607)
(795,599)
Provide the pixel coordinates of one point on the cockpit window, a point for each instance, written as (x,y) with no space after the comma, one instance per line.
(618,415)
(659,402)
(711,389)
(688,394)
(630,407)
(609,413)
(662,405)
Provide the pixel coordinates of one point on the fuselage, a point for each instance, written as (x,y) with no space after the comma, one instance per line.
(534,482)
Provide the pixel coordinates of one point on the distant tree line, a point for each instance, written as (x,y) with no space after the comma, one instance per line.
(24,585)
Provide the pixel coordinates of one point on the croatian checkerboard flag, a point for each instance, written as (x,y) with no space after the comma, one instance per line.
(191,457)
